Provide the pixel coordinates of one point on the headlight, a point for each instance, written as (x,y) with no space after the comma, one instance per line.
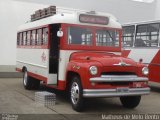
(93,70)
(145,71)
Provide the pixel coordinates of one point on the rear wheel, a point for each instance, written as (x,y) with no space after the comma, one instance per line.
(76,94)
(130,101)
(26,80)
(29,82)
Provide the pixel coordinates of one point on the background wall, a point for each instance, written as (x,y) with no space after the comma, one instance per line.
(16,12)
(12,14)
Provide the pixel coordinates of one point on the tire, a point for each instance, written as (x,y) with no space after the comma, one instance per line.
(36,84)
(26,81)
(29,82)
(130,101)
(76,94)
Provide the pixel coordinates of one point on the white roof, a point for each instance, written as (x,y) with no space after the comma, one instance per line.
(70,16)
(141,22)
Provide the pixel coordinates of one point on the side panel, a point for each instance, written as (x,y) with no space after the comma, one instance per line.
(36,60)
(63,61)
(146,54)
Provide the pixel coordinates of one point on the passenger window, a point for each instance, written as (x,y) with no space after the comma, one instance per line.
(21,39)
(128,36)
(39,37)
(28,37)
(45,36)
(24,38)
(33,37)
(147,35)
(18,38)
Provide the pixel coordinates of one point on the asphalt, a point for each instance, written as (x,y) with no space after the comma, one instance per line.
(15,100)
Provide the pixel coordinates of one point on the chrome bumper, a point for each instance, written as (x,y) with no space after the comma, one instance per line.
(115,92)
(118,78)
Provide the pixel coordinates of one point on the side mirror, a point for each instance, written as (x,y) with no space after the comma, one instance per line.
(60,33)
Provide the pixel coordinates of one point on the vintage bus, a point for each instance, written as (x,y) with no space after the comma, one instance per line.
(80,52)
(141,42)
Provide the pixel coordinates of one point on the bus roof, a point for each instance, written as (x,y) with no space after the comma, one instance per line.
(70,16)
(141,22)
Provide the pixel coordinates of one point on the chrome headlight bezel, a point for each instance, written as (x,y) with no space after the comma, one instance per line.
(93,70)
(145,71)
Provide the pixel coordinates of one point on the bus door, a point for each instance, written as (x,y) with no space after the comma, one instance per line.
(54,55)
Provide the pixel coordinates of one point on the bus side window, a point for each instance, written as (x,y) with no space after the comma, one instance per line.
(28,37)
(39,37)
(45,36)
(33,37)
(24,38)
(140,43)
(18,39)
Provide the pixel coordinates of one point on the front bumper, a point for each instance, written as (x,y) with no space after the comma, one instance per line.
(115,92)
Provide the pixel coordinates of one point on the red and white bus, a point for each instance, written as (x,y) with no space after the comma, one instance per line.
(141,42)
(79,51)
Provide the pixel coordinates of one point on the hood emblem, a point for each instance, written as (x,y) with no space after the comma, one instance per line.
(121,63)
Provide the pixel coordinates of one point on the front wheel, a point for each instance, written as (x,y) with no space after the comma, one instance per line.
(130,101)
(76,94)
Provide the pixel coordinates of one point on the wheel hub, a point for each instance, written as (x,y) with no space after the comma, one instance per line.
(75,93)
(25,78)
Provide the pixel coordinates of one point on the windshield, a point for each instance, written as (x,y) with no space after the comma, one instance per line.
(107,38)
(92,36)
(81,36)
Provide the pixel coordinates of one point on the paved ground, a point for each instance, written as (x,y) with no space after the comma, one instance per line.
(14,99)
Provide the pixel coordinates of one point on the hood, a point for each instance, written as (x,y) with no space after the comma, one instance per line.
(105,58)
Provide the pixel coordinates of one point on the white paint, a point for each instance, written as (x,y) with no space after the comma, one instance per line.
(33,56)
(146,54)
(63,61)
(32,59)
(52,79)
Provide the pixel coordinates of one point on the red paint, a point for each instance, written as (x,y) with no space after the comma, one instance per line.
(43,57)
(61,85)
(125,53)
(33,47)
(38,77)
(105,63)
(154,68)
(18,69)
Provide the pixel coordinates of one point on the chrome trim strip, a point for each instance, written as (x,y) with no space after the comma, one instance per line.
(32,64)
(121,64)
(114,93)
(118,78)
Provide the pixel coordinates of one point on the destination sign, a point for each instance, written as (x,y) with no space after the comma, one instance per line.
(93,19)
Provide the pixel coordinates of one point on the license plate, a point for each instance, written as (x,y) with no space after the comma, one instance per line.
(123,89)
